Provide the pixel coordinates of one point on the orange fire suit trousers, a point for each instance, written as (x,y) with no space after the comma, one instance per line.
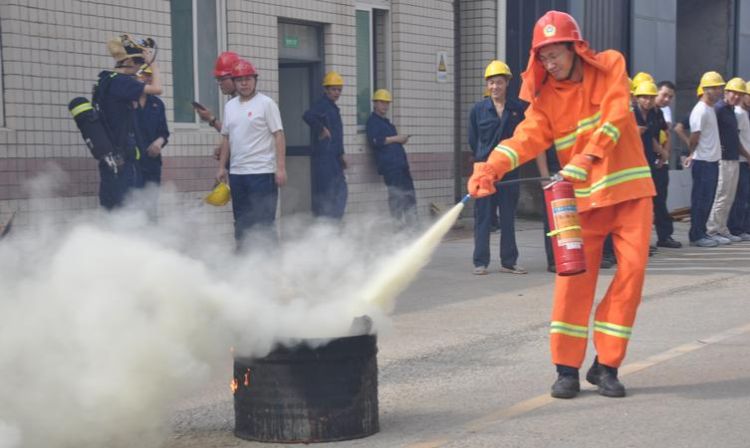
(629,223)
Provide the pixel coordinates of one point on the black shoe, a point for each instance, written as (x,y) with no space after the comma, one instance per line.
(605,378)
(606,263)
(552,268)
(652,250)
(566,387)
(669,243)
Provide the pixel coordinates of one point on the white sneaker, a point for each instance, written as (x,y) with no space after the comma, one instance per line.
(480,270)
(705,242)
(732,238)
(744,236)
(720,239)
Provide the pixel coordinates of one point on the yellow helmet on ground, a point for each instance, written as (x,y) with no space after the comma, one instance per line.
(497,68)
(639,78)
(220,195)
(711,79)
(382,95)
(646,88)
(332,79)
(736,85)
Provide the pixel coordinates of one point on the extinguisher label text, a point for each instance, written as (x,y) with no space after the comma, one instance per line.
(567,227)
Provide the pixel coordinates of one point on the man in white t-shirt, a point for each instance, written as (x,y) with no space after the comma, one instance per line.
(739,217)
(705,153)
(253,135)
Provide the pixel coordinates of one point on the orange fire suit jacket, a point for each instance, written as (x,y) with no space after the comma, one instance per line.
(591,117)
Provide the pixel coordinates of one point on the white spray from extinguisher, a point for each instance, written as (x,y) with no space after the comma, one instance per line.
(397,272)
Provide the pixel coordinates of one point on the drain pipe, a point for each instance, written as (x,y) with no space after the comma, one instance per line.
(457,165)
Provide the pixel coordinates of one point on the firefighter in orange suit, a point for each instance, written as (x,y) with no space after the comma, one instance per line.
(580,102)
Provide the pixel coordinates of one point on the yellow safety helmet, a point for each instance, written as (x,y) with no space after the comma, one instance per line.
(220,195)
(711,79)
(497,68)
(332,79)
(646,88)
(638,79)
(382,95)
(747,87)
(736,85)
(699,91)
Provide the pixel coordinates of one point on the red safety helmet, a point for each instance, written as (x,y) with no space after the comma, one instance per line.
(243,68)
(224,64)
(555,27)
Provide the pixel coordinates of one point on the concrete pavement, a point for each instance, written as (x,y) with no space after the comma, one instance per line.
(466,363)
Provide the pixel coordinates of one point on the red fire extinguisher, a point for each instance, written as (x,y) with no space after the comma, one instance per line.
(565,229)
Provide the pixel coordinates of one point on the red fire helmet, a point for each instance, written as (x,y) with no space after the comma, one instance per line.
(555,27)
(224,64)
(243,68)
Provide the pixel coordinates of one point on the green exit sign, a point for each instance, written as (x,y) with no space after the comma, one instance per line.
(291,41)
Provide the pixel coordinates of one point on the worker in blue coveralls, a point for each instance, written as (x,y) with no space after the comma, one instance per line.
(152,124)
(391,160)
(115,93)
(492,120)
(329,189)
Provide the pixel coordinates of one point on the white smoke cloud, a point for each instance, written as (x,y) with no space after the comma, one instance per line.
(107,319)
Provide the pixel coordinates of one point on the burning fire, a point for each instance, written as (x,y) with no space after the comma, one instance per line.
(234,385)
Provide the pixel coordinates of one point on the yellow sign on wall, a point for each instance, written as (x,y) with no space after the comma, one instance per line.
(442,66)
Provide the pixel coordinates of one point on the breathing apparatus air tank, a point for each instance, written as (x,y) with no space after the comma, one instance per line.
(93,131)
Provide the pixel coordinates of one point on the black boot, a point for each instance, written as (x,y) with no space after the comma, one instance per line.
(567,384)
(605,378)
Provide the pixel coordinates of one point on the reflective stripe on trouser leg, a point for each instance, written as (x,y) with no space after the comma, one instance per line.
(574,297)
(616,313)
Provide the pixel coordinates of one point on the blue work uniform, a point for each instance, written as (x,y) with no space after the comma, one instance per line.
(115,94)
(152,124)
(654,123)
(393,165)
(329,189)
(486,130)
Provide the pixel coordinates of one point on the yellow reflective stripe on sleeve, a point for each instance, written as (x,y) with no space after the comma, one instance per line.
(610,131)
(640,172)
(566,142)
(588,123)
(584,126)
(611,329)
(137,153)
(80,109)
(575,172)
(509,153)
(576,331)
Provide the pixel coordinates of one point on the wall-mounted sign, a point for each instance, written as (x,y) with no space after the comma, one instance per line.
(291,41)
(442,66)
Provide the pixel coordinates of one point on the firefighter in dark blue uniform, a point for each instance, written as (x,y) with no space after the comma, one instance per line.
(115,94)
(329,189)
(391,160)
(492,120)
